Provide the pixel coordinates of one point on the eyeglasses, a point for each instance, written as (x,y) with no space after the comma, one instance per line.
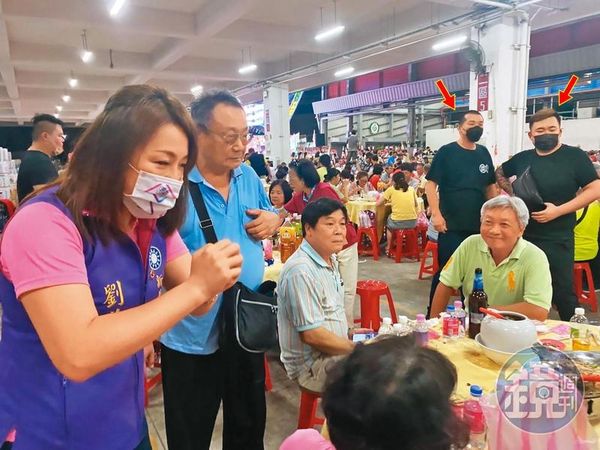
(232,138)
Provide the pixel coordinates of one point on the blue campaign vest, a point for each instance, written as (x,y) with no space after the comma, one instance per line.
(51,412)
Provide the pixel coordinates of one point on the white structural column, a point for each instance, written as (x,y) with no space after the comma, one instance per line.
(505,43)
(277,123)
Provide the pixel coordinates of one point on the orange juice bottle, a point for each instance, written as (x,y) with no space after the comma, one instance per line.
(287,240)
(297,224)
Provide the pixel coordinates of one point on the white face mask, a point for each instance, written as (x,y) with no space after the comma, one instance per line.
(152,195)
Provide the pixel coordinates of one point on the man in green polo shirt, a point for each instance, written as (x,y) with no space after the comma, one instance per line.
(516,274)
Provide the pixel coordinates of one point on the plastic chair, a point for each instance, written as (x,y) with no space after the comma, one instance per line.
(585,297)
(370,292)
(372,235)
(405,243)
(431,248)
(307,417)
(268,382)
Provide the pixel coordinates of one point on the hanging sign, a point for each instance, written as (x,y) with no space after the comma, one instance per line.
(482,91)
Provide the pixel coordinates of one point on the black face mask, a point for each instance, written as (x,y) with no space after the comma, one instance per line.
(545,142)
(474,134)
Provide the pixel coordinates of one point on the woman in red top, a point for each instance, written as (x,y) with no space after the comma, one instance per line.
(307,186)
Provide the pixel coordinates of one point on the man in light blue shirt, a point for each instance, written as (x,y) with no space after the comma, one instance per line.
(201,367)
(313,331)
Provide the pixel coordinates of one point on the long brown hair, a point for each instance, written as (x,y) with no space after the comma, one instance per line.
(95,178)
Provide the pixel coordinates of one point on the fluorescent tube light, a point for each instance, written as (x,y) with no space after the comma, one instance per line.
(326,34)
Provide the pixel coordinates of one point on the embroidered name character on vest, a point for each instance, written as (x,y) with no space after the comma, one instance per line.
(484,168)
(114,295)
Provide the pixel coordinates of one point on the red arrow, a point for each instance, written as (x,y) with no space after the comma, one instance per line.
(449,100)
(565,96)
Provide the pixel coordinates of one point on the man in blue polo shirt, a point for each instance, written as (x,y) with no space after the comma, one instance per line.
(200,367)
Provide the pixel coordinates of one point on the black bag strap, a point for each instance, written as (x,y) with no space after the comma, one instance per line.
(200,206)
(585,210)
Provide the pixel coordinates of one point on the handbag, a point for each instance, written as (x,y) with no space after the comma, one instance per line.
(249,317)
(526,189)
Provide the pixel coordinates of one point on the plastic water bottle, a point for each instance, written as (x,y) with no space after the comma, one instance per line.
(461,315)
(473,416)
(386,327)
(450,323)
(421,331)
(579,334)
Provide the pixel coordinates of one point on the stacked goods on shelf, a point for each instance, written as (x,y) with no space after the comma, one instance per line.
(8,176)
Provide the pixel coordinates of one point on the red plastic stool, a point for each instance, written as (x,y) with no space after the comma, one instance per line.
(372,234)
(307,417)
(405,242)
(150,383)
(370,291)
(585,297)
(431,269)
(155,380)
(422,231)
(268,382)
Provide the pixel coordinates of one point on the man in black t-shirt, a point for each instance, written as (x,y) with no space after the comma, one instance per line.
(559,171)
(36,167)
(463,172)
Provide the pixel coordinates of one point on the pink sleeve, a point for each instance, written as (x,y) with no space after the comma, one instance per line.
(306,439)
(175,246)
(42,247)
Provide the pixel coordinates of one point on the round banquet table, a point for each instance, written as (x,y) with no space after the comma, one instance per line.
(473,367)
(273,271)
(355,207)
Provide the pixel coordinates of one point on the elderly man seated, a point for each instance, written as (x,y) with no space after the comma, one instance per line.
(313,332)
(516,274)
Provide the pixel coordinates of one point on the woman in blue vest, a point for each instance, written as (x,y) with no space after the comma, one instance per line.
(82,264)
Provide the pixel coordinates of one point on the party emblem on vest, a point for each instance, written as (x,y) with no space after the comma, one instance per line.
(483,168)
(155,258)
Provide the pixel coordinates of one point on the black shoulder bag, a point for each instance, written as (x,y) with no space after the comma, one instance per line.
(249,317)
(526,189)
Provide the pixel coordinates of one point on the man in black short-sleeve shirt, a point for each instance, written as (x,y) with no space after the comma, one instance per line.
(559,171)
(36,167)
(463,171)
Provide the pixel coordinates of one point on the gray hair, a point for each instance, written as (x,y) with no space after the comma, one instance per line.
(202,107)
(514,203)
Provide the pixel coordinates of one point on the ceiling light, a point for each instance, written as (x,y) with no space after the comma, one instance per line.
(73,81)
(116,7)
(449,43)
(247,69)
(59,108)
(57,115)
(344,71)
(493,3)
(326,34)
(196,90)
(86,56)
(527,3)
(66,98)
